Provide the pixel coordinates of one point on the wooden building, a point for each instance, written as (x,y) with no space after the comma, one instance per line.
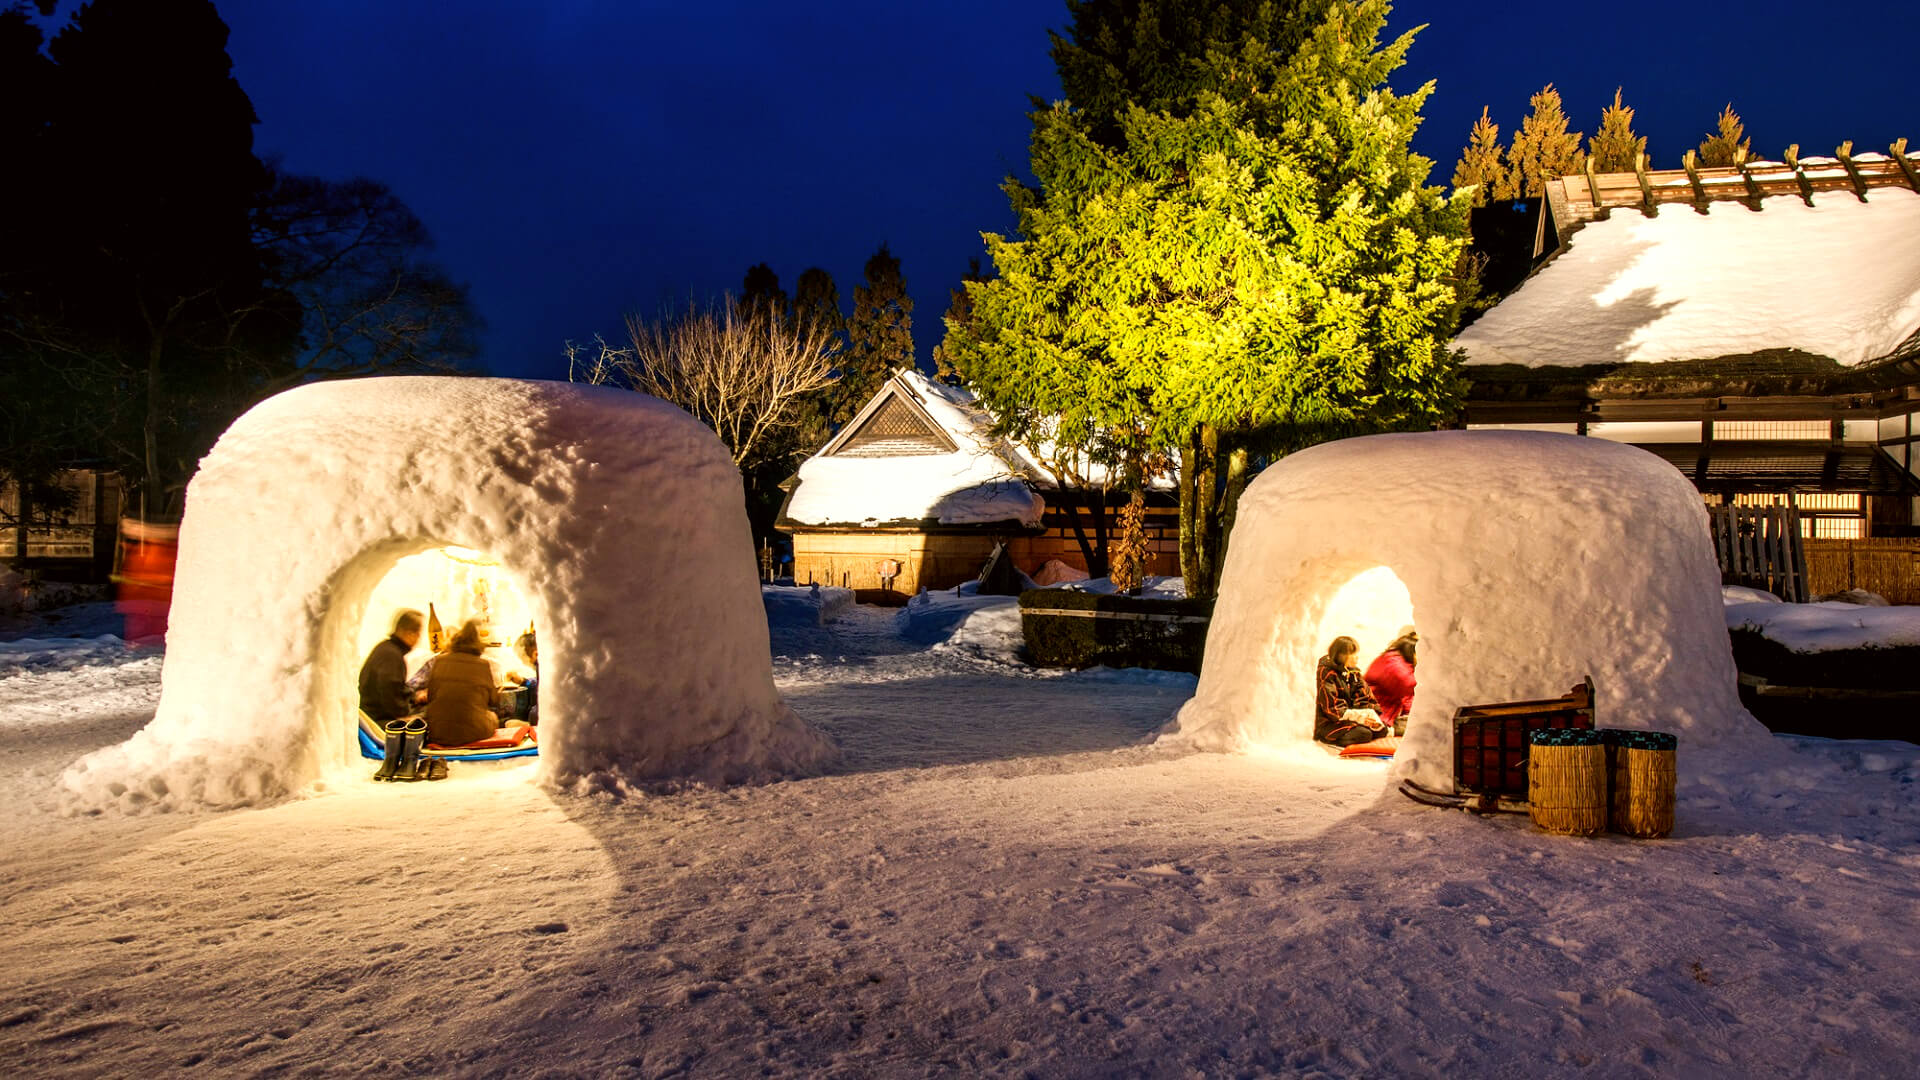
(916,490)
(74,541)
(1758,327)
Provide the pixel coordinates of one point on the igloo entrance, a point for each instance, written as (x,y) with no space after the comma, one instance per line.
(450,585)
(1372,607)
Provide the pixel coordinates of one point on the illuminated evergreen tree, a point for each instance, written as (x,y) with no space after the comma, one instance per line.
(1728,145)
(1231,252)
(1481,163)
(1543,148)
(1615,148)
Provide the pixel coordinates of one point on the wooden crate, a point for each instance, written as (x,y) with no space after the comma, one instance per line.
(1490,742)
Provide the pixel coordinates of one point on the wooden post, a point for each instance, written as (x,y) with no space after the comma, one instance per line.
(1845,153)
(1593,186)
(1799,173)
(1687,161)
(1899,149)
(1754,194)
(1647,205)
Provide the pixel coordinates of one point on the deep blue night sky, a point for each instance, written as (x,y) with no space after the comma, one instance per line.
(577,160)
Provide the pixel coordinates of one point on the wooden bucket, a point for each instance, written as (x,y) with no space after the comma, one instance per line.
(1643,775)
(1567,781)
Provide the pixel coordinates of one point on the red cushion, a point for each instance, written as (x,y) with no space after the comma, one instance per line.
(1378,748)
(504,739)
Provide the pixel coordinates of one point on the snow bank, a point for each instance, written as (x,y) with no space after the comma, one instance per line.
(933,617)
(975,484)
(804,605)
(1839,279)
(619,517)
(1828,626)
(1741,594)
(1530,560)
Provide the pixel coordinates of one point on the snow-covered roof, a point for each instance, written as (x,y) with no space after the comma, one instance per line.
(906,476)
(1838,279)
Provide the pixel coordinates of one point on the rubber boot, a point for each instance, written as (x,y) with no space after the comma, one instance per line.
(415,738)
(390,759)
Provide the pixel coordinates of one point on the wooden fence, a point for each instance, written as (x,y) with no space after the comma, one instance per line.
(1888,567)
(1647,189)
(1760,546)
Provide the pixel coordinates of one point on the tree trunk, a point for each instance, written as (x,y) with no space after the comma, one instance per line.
(1199,512)
(1093,552)
(1101,538)
(1189,461)
(1239,471)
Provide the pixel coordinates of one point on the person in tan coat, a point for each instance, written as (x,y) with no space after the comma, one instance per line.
(462,692)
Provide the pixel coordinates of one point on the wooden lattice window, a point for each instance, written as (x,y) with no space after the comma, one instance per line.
(895,429)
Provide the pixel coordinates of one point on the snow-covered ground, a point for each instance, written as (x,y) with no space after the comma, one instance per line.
(999,879)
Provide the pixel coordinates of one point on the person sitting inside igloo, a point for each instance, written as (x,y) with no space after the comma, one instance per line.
(384,696)
(527,647)
(1345,712)
(463,691)
(1390,677)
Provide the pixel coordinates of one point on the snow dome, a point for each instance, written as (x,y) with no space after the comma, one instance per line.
(610,521)
(1526,561)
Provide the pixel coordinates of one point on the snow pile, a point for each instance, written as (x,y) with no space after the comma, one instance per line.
(975,484)
(1530,560)
(1056,572)
(1151,587)
(805,605)
(1828,626)
(1741,594)
(1839,279)
(931,618)
(619,517)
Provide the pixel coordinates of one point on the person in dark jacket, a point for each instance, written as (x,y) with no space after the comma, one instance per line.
(1344,710)
(1390,677)
(463,693)
(383,678)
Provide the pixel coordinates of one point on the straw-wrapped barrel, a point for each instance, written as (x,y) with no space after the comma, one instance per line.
(1567,781)
(1643,777)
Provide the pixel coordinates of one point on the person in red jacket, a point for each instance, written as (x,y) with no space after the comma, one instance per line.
(1390,677)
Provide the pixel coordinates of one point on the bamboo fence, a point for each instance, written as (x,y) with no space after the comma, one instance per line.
(1890,567)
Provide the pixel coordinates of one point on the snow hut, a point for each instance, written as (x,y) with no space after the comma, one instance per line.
(618,518)
(1757,327)
(1525,560)
(916,490)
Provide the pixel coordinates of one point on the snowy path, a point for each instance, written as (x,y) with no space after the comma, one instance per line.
(1001,882)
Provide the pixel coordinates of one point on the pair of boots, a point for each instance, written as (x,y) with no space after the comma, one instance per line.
(402,760)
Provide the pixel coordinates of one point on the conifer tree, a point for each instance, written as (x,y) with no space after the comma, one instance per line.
(1232,250)
(1543,148)
(879,336)
(1729,145)
(816,301)
(761,294)
(1480,163)
(1615,148)
(959,314)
